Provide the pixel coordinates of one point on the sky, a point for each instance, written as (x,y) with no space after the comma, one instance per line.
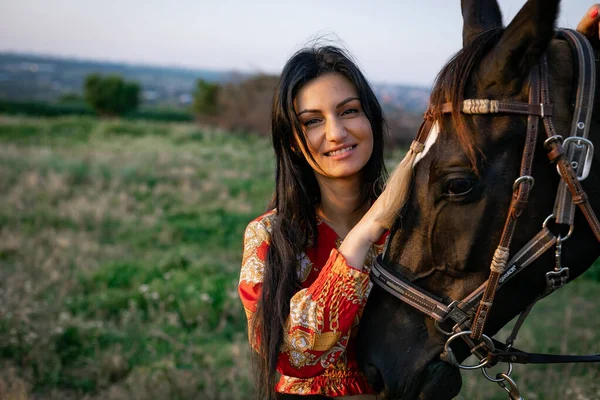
(394,41)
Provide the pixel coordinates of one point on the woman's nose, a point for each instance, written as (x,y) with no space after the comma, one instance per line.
(335,130)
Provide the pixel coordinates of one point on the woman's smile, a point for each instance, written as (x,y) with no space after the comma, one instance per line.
(342,153)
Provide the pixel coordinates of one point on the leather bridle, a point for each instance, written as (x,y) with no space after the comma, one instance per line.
(573,157)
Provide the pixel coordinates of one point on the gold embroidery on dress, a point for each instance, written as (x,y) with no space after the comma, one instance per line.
(304,267)
(334,354)
(257,232)
(351,285)
(253,270)
(304,312)
(300,359)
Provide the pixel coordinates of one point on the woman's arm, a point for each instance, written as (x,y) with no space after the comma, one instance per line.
(321,318)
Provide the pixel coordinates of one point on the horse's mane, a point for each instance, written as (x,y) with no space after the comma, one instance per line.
(450,86)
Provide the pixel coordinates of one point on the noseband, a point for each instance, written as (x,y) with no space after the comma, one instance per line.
(573,157)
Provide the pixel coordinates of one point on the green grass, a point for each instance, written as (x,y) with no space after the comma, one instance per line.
(120,249)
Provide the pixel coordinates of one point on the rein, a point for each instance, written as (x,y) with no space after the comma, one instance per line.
(573,158)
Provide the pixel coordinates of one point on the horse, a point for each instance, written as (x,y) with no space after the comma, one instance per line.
(479,200)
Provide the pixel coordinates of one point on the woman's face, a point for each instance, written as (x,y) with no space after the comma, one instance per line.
(338,132)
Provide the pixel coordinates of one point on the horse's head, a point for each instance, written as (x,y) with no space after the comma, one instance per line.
(457,208)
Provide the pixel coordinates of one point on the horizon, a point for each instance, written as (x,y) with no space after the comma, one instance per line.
(155,35)
(173,67)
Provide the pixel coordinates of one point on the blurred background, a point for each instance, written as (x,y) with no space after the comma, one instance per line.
(133,152)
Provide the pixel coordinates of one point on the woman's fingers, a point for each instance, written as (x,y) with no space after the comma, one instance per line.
(590,24)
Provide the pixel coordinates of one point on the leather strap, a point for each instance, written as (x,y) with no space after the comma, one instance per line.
(564,208)
(520,198)
(501,354)
(556,154)
(401,288)
(485,106)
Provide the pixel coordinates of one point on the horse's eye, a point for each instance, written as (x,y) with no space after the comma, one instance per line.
(459,186)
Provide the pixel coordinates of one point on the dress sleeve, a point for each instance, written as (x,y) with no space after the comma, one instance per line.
(321,318)
(256,245)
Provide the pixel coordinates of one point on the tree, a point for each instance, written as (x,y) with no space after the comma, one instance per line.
(206,98)
(111,95)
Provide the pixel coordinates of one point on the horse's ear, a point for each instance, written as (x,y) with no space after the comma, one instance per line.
(479,16)
(523,42)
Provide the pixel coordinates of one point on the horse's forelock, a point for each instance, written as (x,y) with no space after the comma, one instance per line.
(451,85)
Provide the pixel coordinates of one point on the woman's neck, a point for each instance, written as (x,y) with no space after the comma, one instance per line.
(340,205)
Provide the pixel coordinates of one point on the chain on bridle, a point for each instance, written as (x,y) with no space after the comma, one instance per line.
(573,158)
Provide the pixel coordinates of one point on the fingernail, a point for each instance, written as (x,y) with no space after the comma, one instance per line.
(594,13)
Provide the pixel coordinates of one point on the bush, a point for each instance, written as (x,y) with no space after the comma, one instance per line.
(206,98)
(111,95)
(237,106)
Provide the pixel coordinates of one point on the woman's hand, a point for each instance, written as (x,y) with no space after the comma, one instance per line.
(590,25)
(357,242)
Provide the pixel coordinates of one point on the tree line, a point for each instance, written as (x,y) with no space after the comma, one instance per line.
(243,105)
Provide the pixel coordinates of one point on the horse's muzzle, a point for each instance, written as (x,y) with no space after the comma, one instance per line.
(439,381)
(442,381)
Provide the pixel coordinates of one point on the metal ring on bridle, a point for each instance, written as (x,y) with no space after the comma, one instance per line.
(441,330)
(482,363)
(484,371)
(551,139)
(524,178)
(560,239)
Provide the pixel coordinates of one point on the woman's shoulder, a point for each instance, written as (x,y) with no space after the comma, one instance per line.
(261,227)
(265,219)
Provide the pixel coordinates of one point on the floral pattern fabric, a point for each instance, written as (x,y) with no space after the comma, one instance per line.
(317,355)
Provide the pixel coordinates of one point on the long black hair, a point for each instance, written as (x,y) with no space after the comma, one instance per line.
(297,195)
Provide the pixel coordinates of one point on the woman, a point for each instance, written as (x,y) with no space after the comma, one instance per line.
(302,287)
(327,131)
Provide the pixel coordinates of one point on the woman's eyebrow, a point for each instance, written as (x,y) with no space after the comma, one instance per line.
(306,111)
(346,101)
(342,103)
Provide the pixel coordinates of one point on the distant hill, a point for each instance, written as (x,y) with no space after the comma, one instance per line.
(34,77)
(412,99)
(25,77)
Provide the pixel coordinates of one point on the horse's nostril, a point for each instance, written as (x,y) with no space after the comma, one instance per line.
(374,377)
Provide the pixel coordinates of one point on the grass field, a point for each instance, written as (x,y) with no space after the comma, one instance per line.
(120,245)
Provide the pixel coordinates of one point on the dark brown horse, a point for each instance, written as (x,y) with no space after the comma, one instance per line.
(463,181)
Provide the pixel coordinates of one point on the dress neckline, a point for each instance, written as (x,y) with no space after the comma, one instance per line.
(328,227)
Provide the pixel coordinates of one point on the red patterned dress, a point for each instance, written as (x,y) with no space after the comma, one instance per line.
(317,356)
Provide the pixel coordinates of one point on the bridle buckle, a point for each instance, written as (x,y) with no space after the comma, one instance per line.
(582,171)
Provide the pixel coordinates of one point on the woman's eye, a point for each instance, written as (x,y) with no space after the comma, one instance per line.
(350,111)
(459,186)
(311,122)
